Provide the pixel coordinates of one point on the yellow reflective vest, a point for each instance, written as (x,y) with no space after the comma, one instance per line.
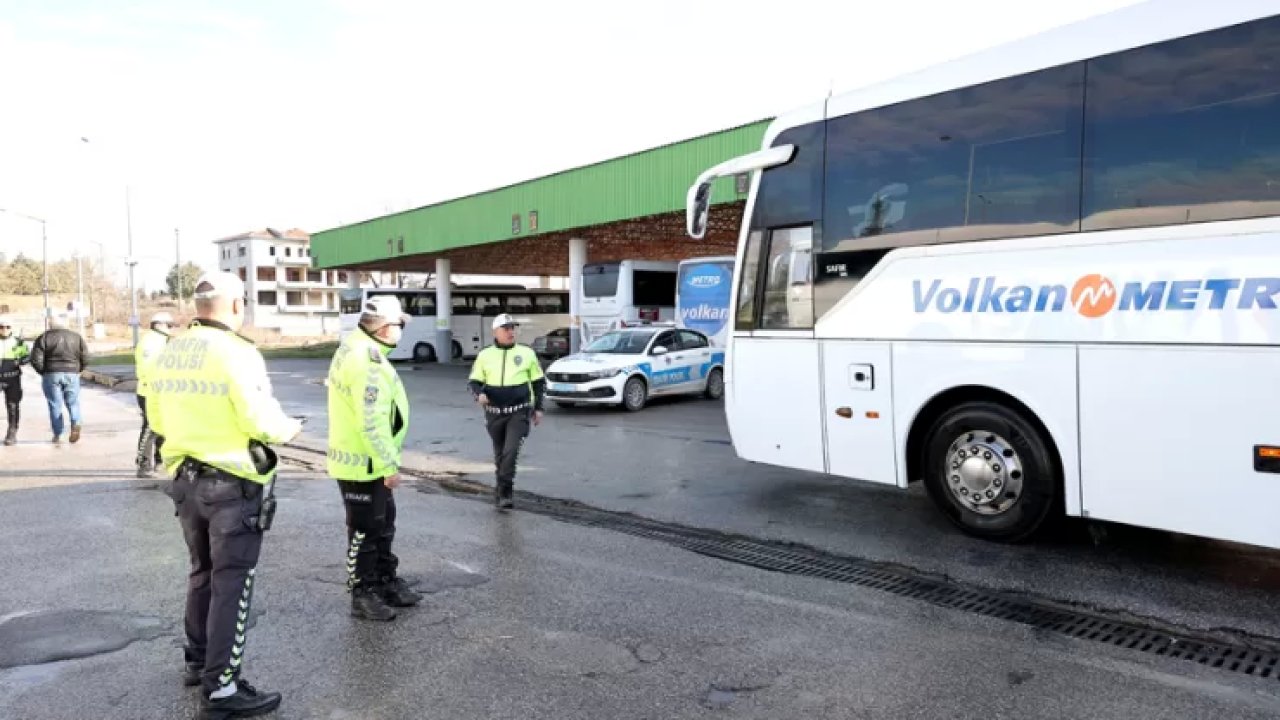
(13,353)
(368,411)
(208,396)
(509,376)
(145,355)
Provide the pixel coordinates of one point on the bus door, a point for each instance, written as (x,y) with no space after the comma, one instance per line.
(856,381)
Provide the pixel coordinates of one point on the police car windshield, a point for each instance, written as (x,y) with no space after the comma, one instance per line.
(622,343)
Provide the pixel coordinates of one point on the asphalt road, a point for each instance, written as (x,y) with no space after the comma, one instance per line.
(673,462)
(526,617)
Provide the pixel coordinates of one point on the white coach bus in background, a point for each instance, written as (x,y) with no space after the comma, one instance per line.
(1045,279)
(474,307)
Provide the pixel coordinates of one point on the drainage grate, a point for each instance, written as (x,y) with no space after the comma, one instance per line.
(1257,657)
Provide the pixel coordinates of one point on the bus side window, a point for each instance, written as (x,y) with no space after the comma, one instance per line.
(522,304)
(788,283)
(747,290)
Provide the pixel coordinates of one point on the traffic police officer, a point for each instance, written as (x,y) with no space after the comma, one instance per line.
(13,355)
(209,397)
(508,383)
(368,419)
(144,358)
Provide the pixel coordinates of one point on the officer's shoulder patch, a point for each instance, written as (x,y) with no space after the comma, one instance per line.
(374,355)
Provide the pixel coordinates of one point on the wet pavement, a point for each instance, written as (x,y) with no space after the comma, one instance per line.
(527,617)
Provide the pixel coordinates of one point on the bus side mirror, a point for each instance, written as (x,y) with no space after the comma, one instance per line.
(699,206)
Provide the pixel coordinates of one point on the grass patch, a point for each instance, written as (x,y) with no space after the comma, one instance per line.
(304,352)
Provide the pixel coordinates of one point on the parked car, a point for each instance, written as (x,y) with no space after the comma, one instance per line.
(552,346)
(630,365)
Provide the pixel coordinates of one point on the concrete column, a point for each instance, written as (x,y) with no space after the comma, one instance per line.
(353,279)
(577,258)
(444,312)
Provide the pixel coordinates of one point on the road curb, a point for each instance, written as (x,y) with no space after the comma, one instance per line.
(108,381)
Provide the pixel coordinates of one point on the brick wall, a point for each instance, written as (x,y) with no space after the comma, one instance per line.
(658,237)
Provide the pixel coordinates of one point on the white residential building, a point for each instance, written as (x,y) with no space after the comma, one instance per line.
(284,292)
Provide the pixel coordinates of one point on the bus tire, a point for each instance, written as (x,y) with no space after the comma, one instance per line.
(634,394)
(991,471)
(424,353)
(715,384)
(457,350)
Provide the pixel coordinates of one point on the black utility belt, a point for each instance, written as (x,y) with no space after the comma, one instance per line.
(203,471)
(524,407)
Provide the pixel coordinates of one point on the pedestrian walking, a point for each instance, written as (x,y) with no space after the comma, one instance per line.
(150,345)
(368,419)
(209,397)
(60,355)
(13,355)
(508,383)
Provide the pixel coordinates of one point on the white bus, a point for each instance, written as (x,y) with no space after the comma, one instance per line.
(1045,279)
(616,293)
(703,296)
(474,307)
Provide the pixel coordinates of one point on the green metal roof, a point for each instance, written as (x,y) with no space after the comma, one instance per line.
(647,183)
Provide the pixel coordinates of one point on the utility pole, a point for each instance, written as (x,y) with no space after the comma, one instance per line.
(80,290)
(177,251)
(133,262)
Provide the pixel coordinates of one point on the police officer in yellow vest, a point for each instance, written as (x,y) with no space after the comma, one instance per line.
(508,383)
(210,398)
(144,359)
(13,355)
(368,418)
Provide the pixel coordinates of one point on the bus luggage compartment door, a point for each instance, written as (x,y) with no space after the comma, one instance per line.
(858,410)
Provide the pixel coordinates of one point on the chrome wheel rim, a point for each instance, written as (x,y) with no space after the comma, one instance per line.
(984,473)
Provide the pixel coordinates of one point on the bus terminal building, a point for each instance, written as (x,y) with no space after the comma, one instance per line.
(626,208)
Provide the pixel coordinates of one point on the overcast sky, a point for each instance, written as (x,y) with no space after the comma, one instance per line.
(228,115)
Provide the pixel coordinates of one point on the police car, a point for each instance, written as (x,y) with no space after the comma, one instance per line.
(629,365)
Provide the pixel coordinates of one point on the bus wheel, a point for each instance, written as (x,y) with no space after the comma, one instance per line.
(715,384)
(634,395)
(457,350)
(991,471)
(424,353)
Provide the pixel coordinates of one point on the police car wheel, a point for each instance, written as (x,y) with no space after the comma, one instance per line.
(424,353)
(992,472)
(634,394)
(715,384)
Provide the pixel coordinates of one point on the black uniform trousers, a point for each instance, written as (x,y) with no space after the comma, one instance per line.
(148,441)
(12,387)
(508,430)
(219,516)
(371,528)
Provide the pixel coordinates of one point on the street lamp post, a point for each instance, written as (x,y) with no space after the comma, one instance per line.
(44,253)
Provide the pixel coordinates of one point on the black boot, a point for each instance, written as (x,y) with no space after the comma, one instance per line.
(11,438)
(505,501)
(246,702)
(191,673)
(396,593)
(367,604)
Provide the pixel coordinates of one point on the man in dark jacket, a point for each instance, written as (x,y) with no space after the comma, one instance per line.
(60,355)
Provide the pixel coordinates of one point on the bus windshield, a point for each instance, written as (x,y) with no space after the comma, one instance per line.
(600,280)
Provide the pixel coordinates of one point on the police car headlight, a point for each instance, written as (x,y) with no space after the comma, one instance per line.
(604,374)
